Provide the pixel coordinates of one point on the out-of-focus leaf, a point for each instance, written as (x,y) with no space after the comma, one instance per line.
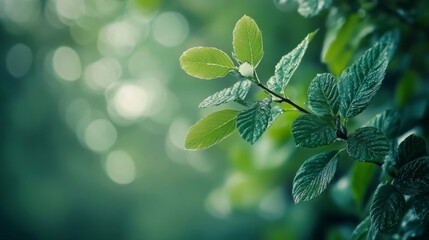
(237,92)
(323,97)
(247,41)
(387,208)
(313,131)
(311,8)
(368,144)
(361,176)
(253,120)
(314,175)
(389,122)
(406,87)
(206,62)
(413,177)
(211,130)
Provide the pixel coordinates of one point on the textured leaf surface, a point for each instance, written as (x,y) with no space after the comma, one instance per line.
(360,82)
(411,148)
(368,144)
(287,65)
(421,206)
(237,92)
(247,41)
(311,8)
(253,120)
(313,131)
(211,130)
(413,177)
(388,122)
(323,97)
(206,62)
(361,231)
(387,208)
(314,175)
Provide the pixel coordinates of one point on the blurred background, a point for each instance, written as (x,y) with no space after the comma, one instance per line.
(95,108)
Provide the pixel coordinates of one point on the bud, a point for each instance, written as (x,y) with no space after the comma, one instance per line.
(246,70)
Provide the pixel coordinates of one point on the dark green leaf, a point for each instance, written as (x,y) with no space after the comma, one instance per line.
(287,65)
(411,148)
(361,231)
(247,41)
(361,81)
(313,131)
(314,176)
(211,130)
(206,62)
(253,120)
(323,98)
(411,227)
(368,144)
(311,8)
(413,177)
(237,92)
(388,122)
(421,206)
(387,208)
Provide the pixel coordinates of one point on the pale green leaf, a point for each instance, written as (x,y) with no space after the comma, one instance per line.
(314,175)
(411,148)
(413,177)
(361,177)
(313,131)
(211,130)
(388,122)
(361,231)
(368,144)
(206,62)
(287,65)
(323,97)
(247,41)
(311,8)
(387,208)
(237,92)
(360,82)
(253,120)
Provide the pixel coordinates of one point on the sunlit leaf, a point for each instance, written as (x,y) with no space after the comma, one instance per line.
(237,92)
(253,120)
(287,65)
(314,175)
(313,131)
(323,98)
(247,41)
(387,208)
(311,8)
(211,130)
(368,144)
(413,177)
(206,62)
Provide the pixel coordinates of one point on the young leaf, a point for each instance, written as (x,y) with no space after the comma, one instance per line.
(253,120)
(314,176)
(237,92)
(411,148)
(387,208)
(211,130)
(323,98)
(368,144)
(313,131)
(388,122)
(413,177)
(361,231)
(206,62)
(361,81)
(421,206)
(247,41)
(311,8)
(287,65)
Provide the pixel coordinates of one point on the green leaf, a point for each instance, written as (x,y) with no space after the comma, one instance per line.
(311,8)
(413,177)
(314,175)
(368,144)
(361,231)
(237,92)
(247,41)
(323,98)
(313,131)
(388,122)
(387,208)
(421,206)
(361,177)
(287,65)
(275,112)
(206,62)
(253,120)
(211,130)
(411,148)
(361,81)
